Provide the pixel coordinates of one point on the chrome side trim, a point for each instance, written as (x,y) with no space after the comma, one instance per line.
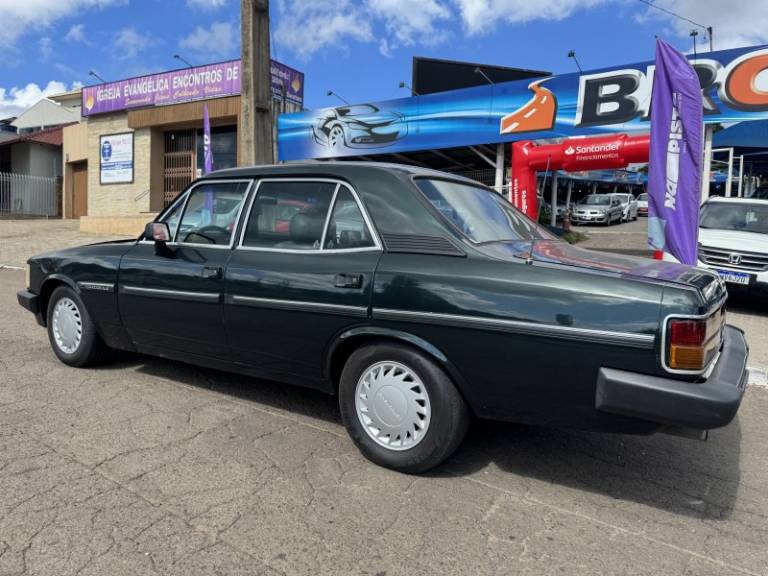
(644,341)
(209,297)
(298,305)
(97,286)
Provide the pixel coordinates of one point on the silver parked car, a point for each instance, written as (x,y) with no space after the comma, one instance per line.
(628,205)
(598,208)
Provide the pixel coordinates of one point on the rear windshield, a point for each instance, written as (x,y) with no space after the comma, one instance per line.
(480,214)
(643,197)
(746,216)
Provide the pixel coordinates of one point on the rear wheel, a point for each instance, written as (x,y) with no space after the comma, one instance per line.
(400,408)
(71,331)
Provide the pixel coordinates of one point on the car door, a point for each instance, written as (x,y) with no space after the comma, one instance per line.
(171,300)
(301,274)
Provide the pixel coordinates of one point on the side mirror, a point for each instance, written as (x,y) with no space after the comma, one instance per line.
(160,234)
(157,231)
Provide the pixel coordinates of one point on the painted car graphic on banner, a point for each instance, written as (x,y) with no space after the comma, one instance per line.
(359,126)
(615,100)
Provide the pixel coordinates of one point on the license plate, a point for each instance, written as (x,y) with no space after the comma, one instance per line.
(735,277)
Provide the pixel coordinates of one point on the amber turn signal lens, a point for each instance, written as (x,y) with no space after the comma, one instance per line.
(686,357)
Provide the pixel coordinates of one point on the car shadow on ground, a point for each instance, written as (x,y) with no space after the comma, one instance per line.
(678,475)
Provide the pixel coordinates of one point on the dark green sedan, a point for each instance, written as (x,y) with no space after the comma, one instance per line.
(418,297)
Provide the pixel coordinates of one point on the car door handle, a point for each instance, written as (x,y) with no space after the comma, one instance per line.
(348,280)
(211,272)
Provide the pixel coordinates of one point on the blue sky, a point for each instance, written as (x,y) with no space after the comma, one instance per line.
(360,49)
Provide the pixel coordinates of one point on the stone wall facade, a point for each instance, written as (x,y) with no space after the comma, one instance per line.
(118,199)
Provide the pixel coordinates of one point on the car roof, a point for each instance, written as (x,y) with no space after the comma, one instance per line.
(334,167)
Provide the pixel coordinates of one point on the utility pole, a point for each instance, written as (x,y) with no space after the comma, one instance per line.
(256,131)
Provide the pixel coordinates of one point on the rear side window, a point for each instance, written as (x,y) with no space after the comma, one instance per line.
(289,215)
(347,227)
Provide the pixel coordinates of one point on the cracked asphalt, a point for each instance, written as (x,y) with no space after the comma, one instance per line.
(149,466)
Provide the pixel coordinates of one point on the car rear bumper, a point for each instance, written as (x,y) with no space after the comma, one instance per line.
(703,405)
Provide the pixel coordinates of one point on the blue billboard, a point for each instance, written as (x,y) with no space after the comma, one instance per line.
(611,100)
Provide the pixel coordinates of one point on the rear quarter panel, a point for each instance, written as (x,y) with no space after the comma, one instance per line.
(516,376)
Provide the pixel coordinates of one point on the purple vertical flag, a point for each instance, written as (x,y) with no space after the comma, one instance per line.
(674,172)
(207,150)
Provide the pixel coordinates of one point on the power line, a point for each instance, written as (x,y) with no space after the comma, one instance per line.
(708,29)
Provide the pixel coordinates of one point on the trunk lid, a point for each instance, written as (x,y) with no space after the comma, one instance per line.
(632,267)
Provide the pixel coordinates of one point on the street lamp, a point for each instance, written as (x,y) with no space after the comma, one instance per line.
(182,59)
(93,73)
(572,55)
(332,93)
(693,35)
(404,85)
(478,70)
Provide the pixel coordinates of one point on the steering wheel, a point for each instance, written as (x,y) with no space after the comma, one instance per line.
(205,230)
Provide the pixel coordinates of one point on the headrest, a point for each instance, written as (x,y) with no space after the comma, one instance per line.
(307,227)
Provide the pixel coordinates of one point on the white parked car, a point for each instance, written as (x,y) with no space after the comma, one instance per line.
(733,240)
(642,204)
(628,206)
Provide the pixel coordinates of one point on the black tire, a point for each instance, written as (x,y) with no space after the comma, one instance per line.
(449,416)
(91,348)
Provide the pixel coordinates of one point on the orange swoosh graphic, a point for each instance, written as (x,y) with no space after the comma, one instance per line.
(537,114)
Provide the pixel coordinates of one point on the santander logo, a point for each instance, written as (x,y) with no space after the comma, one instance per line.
(570,150)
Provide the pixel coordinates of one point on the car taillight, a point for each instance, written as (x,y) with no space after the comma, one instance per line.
(693,342)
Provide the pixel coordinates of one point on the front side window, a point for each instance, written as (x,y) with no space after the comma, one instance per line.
(289,215)
(480,214)
(210,216)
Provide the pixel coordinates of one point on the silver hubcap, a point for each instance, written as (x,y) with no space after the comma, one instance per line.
(393,405)
(67,326)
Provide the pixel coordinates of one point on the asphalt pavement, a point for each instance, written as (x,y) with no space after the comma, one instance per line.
(149,466)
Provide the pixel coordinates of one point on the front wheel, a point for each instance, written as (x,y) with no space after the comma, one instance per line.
(400,408)
(71,331)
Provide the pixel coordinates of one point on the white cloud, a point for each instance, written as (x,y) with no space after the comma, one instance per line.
(307,26)
(76,33)
(412,22)
(15,100)
(742,23)
(20,17)
(219,41)
(481,16)
(206,4)
(129,43)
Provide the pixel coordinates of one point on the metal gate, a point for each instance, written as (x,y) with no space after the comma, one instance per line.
(23,195)
(179,163)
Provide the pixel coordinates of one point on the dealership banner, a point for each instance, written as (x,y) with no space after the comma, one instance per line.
(186,85)
(674,170)
(610,100)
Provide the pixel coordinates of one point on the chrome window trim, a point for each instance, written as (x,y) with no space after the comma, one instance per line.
(328,216)
(663,352)
(297,305)
(188,193)
(209,297)
(644,341)
(377,247)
